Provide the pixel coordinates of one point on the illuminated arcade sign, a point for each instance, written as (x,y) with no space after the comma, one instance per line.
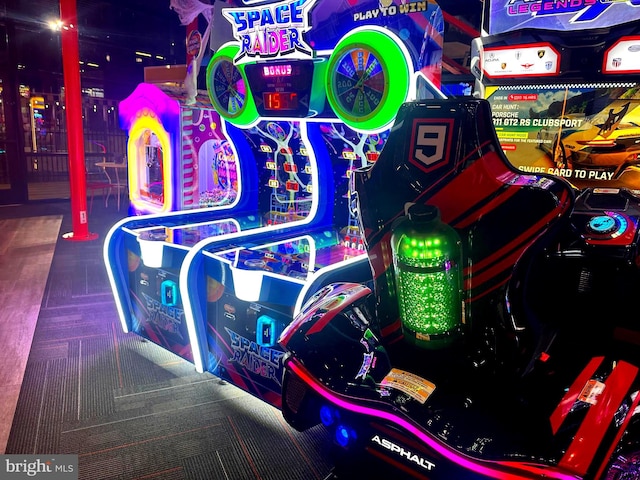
(537,59)
(507,15)
(271,31)
(285,70)
(623,56)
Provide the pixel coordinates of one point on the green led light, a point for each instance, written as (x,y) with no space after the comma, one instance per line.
(359,106)
(428,302)
(427,262)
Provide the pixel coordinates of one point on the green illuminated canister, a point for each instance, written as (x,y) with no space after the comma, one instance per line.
(427,260)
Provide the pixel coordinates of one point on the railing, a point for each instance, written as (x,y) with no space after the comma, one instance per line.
(54,167)
(46,137)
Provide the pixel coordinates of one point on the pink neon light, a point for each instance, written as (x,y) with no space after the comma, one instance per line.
(530,471)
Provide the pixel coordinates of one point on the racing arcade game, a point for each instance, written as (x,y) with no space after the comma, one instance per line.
(564,90)
(498,339)
(471,356)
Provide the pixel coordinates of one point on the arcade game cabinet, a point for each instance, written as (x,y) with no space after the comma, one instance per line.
(306,93)
(453,344)
(564,88)
(178,155)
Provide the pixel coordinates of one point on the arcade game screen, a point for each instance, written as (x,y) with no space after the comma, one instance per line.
(586,134)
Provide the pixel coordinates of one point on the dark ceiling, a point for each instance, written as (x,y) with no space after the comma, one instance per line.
(118,28)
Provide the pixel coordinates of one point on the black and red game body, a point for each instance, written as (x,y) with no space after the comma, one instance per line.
(543,380)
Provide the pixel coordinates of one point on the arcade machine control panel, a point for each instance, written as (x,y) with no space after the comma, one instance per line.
(607,221)
(593,272)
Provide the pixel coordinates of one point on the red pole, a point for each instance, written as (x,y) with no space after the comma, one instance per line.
(75,132)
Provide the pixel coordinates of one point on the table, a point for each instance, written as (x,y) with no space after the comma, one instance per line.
(116,184)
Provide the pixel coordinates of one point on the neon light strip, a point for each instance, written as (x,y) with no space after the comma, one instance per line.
(110,274)
(190,258)
(134,153)
(483,467)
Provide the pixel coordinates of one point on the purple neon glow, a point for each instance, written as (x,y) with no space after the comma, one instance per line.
(149,97)
(532,471)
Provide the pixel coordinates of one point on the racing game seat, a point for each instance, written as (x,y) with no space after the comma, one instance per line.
(446,153)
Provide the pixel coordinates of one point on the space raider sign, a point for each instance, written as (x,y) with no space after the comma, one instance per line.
(271,31)
(507,15)
(257,359)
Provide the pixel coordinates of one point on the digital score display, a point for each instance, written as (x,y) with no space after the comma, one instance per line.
(281,89)
(280,101)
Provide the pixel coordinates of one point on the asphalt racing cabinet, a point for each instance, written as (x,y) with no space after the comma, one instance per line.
(506,349)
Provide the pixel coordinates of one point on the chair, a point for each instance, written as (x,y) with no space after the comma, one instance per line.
(96,181)
(107,178)
(117,186)
(446,153)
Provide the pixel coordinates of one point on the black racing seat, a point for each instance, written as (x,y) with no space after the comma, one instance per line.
(446,153)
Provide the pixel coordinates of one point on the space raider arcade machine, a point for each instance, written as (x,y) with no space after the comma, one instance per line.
(306,94)
(343,98)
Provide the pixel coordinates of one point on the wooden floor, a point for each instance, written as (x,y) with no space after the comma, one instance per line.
(27,246)
(48,190)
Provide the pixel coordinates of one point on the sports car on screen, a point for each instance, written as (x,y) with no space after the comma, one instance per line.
(609,139)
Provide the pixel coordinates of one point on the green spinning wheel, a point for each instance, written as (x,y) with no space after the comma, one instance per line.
(367,80)
(228,88)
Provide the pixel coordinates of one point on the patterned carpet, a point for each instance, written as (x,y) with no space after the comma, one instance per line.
(129,409)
